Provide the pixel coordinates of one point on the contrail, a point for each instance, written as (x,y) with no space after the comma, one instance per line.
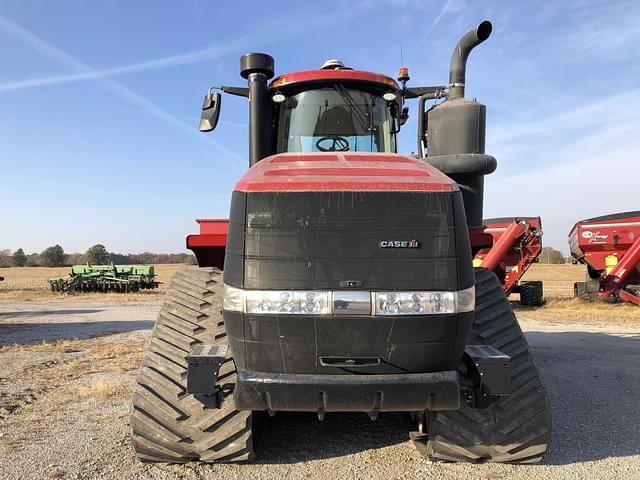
(436,21)
(278,31)
(64,59)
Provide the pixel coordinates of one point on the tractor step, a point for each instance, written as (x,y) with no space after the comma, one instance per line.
(488,367)
(203,366)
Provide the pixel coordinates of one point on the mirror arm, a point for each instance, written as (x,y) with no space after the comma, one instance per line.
(238,91)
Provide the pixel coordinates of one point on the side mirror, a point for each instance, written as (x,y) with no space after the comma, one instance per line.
(404,115)
(210,111)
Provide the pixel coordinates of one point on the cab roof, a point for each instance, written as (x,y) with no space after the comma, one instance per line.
(333,75)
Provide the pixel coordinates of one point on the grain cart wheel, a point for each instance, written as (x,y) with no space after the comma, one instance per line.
(167,424)
(531,294)
(514,429)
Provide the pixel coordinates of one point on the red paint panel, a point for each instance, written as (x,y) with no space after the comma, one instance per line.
(213,226)
(206,241)
(363,171)
(344,187)
(346,172)
(378,158)
(304,158)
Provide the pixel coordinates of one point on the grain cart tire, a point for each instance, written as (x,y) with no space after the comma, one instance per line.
(167,424)
(593,273)
(531,294)
(581,290)
(514,429)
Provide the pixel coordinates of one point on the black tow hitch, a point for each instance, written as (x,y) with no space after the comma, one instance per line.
(203,365)
(488,369)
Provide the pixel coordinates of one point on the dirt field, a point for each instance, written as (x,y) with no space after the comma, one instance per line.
(68,364)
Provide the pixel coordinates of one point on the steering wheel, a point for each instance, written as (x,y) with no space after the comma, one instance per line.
(332,144)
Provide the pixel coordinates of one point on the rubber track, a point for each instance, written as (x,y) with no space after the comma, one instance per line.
(514,429)
(167,424)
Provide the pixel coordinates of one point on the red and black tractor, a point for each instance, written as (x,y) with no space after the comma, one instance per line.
(343,280)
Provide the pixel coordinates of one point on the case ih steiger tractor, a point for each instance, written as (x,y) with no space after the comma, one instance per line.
(348,283)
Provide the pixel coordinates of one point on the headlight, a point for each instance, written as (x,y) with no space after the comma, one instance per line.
(276,301)
(424,303)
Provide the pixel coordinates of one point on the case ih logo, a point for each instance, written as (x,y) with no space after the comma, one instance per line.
(400,244)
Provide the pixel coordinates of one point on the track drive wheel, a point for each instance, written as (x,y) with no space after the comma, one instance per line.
(167,424)
(514,429)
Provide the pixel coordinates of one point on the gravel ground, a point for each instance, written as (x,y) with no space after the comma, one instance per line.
(64,406)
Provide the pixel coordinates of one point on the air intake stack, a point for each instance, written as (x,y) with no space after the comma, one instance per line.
(456,131)
(258,68)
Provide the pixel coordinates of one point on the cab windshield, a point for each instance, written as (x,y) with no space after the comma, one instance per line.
(335,119)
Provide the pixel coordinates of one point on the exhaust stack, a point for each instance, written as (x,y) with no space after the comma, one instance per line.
(456,131)
(458,68)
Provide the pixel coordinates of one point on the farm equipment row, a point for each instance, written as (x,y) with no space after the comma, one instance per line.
(610,248)
(105,278)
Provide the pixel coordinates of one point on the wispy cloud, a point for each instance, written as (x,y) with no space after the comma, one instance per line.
(273,32)
(606,30)
(562,165)
(81,68)
(436,20)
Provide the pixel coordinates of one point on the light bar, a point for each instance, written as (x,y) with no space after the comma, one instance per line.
(322,302)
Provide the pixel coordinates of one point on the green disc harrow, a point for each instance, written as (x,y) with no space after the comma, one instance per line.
(106,278)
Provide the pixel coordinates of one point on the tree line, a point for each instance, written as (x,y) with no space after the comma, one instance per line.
(55,256)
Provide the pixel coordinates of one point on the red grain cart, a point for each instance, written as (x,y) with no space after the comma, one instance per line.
(517,243)
(610,248)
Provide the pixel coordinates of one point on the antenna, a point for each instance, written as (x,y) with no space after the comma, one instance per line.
(403,75)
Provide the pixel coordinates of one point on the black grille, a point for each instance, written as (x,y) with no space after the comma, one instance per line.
(316,240)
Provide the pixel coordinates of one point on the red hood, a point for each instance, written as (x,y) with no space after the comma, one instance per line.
(286,172)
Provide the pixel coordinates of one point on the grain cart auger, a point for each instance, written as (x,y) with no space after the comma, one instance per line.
(348,282)
(517,243)
(610,248)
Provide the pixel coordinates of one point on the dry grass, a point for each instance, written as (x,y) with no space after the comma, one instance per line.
(558,279)
(102,389)
(31,284)
(575,310)
(562,306)
(85,356)
(90,371)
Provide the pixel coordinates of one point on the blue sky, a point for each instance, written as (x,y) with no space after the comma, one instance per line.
(99,105)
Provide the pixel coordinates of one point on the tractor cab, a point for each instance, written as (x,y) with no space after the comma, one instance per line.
(332,109)
(336,109)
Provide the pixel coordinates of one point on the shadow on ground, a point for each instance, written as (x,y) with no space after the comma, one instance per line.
(593,381)
(40,313)
(28,333)
(300,437)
